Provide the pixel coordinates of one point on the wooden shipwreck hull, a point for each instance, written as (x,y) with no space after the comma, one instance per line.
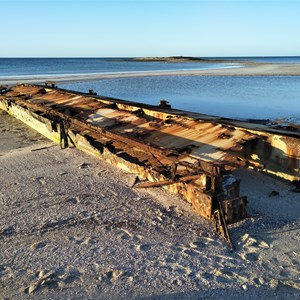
(187,153)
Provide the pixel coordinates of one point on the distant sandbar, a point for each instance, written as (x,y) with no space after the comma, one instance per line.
(238,69)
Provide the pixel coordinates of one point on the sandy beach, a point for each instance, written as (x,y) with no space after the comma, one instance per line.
(73,228)
(109,107)
(242,69)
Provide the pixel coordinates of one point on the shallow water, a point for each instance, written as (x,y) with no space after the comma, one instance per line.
(242,97)
(65,66)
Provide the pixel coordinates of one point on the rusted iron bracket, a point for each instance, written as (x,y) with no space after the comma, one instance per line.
(165,182)
(3,89)
(50,83)
(63,125)
(221,227)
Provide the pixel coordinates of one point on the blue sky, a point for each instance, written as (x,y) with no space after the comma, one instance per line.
(91,28)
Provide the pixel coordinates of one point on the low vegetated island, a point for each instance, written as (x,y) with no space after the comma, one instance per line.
(177,59)
(171,59)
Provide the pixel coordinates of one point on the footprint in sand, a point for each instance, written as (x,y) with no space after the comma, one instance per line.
(51,280)
(73,200)
(178,282)
(8,231)
(182,270)
(197,244)
(125,234)
(252,242)
(38,245)
(86,241)
(289,272)
(259,281)
(41,180)
(252,248)
(263,244)
(144,247)
(68,277)
(190,252)
(112,275)
(44,279)
(250,256)
(84,166)
(5,271)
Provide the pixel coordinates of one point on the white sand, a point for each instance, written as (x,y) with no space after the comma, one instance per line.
(72,228)
(246,69)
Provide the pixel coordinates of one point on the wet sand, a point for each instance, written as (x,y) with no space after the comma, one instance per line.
(245,69)
(71,227)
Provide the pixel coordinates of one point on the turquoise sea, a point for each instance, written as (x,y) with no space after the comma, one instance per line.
(241,97)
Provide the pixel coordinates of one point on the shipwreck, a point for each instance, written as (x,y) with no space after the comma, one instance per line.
(187,153)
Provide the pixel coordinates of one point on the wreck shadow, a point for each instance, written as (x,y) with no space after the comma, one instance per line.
(281,159)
